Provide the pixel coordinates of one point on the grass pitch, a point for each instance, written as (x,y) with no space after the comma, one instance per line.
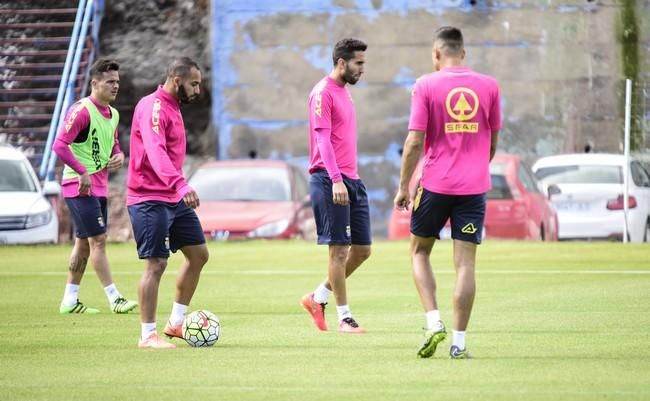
(559,321)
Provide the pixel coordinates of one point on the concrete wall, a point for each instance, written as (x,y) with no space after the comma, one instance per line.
(558,63)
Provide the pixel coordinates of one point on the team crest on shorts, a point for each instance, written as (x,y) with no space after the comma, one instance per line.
(167,242)
(100,221)
(348,231)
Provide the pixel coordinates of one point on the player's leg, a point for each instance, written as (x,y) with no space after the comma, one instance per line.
(76,268)
(320,191)
(150,222)
(464,292)
(359,251)
(186,234)
(99,259)
(361,236)
(82,214)
(467,227)
(425,282)
(148,297)
(430,213)
(356,256)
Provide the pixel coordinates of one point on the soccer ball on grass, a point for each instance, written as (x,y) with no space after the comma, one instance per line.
(201,328)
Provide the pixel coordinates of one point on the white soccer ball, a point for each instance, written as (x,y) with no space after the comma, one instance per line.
(201,328)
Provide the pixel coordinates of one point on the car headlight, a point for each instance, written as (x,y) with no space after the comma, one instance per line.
(38,219)
(270,230)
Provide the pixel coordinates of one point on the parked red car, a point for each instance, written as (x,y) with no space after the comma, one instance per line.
(253,198)
(516,208)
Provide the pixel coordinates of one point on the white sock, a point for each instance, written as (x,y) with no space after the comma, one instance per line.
(433,319)
(70,295)
(458,339)
(321,294)
(178,314)
(147,329)
(112,293)
(343,311)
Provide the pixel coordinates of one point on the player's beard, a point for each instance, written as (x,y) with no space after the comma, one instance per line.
(348,76)
(183,97)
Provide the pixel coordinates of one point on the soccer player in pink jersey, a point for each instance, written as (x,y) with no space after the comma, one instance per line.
(88,145)
(338,195)
(160,203)
(456,118)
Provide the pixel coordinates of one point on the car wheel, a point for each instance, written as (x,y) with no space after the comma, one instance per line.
(542,233)
(646,234)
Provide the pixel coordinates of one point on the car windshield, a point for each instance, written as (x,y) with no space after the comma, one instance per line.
(15,177)
(580,174)
(242,184)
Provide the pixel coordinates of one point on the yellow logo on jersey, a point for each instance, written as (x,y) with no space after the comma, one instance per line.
(465,106)
(318,106)
(155,116)
(418,197)
(468,229)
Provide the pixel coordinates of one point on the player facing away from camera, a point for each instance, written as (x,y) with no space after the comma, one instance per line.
(88,145)
(160,203)
(338,195)
(455,117)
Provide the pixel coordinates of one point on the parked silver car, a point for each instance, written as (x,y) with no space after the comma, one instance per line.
(26,216)
(587,191)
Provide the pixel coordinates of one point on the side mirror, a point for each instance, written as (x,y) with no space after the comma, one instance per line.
(51,188)
(553,190)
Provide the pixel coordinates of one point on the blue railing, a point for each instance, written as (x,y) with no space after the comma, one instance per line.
(87,10)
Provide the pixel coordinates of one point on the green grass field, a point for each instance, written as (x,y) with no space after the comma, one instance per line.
(564,321)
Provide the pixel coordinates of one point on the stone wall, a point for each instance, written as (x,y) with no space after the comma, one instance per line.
(558,62)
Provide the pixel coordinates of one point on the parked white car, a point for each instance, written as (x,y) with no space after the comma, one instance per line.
(26,216)
(587,191)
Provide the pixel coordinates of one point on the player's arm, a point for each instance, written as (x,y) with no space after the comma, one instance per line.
(76,120)
(411,154)
(413,144)
(493,143)
(117,156)
(324,143)
(495,119)
(322,109)
(152,125)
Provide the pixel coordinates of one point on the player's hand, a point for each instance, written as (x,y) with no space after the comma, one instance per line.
(84,184)
(192,199)
(402,200)
(116,162)
(340,194)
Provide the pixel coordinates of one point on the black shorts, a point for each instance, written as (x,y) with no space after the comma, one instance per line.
(337,224)
(159,227)
(89,215)
(432,210)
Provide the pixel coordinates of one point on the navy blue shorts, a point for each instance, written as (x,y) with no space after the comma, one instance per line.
(337,224)
(89,215)
(159,227)
(432,210)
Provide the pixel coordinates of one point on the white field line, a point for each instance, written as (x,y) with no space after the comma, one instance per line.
(299,272)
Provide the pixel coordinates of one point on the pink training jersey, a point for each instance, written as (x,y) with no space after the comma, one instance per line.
(458,109)
(332,130)
(77,120)
(157,151)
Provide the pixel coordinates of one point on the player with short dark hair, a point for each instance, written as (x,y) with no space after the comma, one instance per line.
(88,145)
(338,195)
(160,203)
(456,118)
